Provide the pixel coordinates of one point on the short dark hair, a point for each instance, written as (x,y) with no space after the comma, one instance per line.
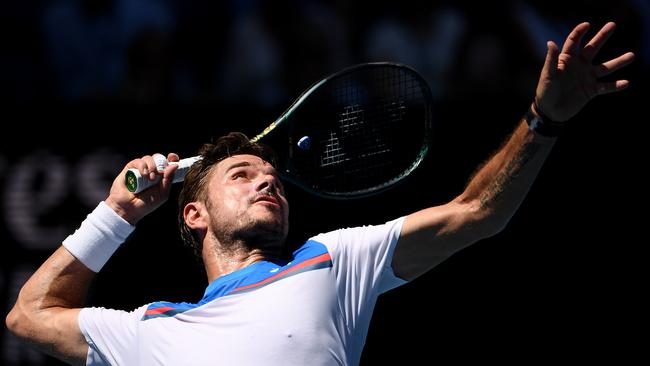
(194,186)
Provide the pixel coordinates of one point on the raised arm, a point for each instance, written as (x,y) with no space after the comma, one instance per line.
(568,81)
(47,309)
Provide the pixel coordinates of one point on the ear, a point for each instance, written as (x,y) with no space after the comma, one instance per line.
(196,216)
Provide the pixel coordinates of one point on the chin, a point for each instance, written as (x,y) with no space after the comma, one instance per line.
(267,226)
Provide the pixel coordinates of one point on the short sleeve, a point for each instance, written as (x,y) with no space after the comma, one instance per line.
(112,335)
(362,258)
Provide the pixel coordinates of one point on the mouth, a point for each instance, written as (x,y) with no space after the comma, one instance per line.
(267,199)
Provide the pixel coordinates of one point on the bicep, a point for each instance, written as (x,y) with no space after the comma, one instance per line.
(72,342)
(54,330)
(432,235)
(63,337)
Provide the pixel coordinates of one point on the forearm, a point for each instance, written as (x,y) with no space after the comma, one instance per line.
(500,185)
(61,282)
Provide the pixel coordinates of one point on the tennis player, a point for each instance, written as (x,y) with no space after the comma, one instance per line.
(315,308)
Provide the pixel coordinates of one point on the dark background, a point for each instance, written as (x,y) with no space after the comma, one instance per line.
(86,86)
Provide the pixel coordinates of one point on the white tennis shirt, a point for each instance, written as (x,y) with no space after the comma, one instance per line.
(313,310)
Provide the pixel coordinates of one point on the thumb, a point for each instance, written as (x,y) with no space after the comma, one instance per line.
(550,64)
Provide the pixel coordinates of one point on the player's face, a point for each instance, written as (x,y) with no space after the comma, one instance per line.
(246,200)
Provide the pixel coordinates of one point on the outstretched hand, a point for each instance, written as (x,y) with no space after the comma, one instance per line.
(569,80)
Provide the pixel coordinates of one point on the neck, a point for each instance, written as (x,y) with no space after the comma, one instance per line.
(220,261)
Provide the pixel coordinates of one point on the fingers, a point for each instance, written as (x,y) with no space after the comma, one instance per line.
(591,49)
(610,66)
(172,157)
(168,178)
(168,173)
(145,165)
(150,168)
(611,87)
(573,40)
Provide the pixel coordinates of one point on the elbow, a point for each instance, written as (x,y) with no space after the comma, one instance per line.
(485,228)
(485,222)
(14,320)
(494,227)
(19,321)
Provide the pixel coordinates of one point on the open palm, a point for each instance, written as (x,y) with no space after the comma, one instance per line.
(569,80)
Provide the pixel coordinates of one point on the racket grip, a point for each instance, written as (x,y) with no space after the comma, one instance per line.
(136,183)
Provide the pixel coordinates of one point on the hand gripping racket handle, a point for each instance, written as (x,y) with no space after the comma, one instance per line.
(136,183)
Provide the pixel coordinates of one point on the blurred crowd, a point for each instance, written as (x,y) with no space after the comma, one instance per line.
(265,52)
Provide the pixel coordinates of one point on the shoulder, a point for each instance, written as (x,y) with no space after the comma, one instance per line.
(359,235)
(382,227)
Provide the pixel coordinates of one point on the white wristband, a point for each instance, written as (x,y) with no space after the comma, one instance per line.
(98,237)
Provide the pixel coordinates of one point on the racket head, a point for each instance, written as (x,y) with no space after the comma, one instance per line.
(355,133)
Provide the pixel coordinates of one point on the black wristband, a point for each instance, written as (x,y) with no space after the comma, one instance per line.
(541,124)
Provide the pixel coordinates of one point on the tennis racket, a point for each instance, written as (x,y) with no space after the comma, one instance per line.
(352,134)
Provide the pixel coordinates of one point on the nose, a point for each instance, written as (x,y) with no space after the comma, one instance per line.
(269,182)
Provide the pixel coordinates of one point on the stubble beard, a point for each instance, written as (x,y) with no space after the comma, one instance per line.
(248,233)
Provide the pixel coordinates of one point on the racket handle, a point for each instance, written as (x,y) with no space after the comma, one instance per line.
(136,183)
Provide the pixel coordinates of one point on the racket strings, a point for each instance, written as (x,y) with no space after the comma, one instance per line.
(361,149)
(366,130)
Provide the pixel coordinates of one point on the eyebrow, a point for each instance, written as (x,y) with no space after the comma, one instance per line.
(246,163)
(237,165)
